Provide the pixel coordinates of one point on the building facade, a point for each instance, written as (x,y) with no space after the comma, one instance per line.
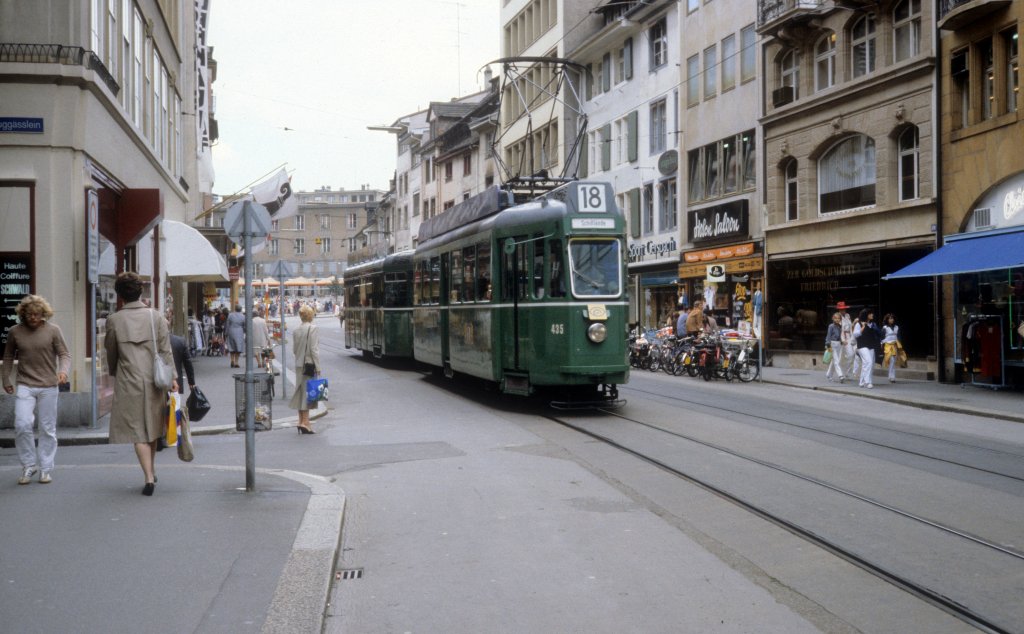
(982,191)
(722,255)
(97,156)
(850,142)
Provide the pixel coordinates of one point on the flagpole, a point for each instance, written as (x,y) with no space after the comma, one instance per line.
(234,196)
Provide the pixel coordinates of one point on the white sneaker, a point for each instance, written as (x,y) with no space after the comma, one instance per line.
(870,386)
(26,475)
(45,478)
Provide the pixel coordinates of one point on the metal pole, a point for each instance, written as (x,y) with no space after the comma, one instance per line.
(250,419)
(95,347)
(284,365)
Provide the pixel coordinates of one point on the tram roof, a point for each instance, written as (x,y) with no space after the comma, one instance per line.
(484,204)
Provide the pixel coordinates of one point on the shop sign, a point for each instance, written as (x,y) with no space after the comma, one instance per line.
(668,163)
(719,253)
(727,221)
(23,125)
(233,273)
(15,283)
(1013,203)
(737,266)
(640,251)
(716,273)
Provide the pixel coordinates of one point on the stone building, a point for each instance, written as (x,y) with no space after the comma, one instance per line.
(105,128)
(850,146)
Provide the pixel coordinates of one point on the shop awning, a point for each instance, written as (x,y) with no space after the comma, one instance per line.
(969,253)
(189,255)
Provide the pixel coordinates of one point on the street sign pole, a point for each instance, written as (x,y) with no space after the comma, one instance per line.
(244,221)
(284,364)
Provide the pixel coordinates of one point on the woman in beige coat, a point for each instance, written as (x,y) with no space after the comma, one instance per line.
(306,347)
(137,415)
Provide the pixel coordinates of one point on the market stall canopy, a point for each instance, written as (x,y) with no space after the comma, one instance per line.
(189,255)
(969,253)
(299,281)
(327,281)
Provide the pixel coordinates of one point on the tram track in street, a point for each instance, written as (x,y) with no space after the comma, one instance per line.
(923,592)
(718,407)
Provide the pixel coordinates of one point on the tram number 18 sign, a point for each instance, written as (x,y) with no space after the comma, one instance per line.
(591,197)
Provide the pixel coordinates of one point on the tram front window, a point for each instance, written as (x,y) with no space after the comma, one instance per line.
(596,267)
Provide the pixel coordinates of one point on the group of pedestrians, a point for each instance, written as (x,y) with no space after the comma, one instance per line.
(134,336)
(855,345)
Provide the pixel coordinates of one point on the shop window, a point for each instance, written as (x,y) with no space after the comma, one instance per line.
(906,18)
(909,163)
(748,164)
(846,175)
(825,62)
(864,46)
(790,172)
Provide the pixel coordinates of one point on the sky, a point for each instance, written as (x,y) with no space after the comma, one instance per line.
(298,82)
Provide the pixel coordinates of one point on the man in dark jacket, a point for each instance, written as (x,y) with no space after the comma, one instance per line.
(182,359)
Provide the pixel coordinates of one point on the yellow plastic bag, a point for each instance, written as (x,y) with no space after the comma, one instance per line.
(172,421)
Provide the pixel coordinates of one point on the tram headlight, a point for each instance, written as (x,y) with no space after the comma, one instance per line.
(597,332)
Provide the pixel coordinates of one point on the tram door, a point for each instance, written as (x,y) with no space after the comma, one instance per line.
(515,292)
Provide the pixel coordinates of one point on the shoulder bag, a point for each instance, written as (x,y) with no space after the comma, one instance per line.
(163,377)
(308,368)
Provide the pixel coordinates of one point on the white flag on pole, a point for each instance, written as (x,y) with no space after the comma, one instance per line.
(276,195)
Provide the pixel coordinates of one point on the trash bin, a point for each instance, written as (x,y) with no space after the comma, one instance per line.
(263,389)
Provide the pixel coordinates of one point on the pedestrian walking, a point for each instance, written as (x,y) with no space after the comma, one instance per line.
(892,347)
(43,364)
(306,348)
(865,331)
(260,335)
(695,320)
(137,415)
(234,335)
(849,345)
(834,344)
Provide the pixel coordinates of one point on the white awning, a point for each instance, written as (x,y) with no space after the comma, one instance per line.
(190,256)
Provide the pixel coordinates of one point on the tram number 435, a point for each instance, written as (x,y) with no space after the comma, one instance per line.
(558,329)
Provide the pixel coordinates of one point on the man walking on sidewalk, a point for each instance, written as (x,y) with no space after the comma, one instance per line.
(39,346)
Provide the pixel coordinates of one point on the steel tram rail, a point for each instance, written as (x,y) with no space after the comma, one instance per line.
(924,593)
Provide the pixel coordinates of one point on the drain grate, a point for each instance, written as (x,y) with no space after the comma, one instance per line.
(349,574)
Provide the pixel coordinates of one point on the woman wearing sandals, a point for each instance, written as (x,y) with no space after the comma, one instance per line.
(306,347)
(137,415)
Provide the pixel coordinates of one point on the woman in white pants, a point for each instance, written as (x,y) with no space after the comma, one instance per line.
(865,331)
(890,339)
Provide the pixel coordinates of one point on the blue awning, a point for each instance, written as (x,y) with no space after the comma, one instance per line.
(969,253)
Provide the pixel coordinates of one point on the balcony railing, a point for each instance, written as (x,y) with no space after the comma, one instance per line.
(770,10)
(58,54)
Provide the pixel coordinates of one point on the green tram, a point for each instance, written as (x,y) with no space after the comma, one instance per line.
(528,295)
(378,306)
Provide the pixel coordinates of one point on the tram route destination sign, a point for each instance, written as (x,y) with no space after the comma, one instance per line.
(15,283)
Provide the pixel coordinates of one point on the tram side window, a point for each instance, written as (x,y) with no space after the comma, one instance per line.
(417,284)
(483,272)
(396,289)
(536,246)
(455,294)
(515,271)
(557,268)
(377,296)
(435,279)
(468,274)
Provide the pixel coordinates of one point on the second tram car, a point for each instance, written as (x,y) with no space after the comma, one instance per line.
(378,306)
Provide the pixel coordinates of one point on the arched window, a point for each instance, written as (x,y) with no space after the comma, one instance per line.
(909,165)
(790,72)
(825,62)
(789,172)
(846,175)
(906,23)
(863,46)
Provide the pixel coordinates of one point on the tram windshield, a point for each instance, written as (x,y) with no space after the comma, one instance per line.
(596,266)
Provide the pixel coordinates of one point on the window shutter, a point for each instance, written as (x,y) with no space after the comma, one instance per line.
(627,53)
(606,147)
(634,212)
(606,73)
(631,125)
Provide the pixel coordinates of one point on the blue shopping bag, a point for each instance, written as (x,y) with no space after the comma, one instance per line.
(316,390)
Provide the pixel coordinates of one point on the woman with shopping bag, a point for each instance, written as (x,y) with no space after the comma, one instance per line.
(306,348)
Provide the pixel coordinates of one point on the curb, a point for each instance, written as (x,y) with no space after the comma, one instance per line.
(936,407)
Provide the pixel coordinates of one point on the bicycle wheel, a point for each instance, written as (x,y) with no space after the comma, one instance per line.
(746,370)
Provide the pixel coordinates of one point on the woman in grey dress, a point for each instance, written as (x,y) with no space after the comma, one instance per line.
(306,347)
(137,415)
(234,335)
